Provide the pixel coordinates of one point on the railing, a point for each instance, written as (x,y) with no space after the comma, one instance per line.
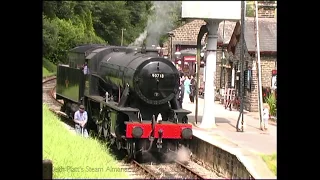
(47,169)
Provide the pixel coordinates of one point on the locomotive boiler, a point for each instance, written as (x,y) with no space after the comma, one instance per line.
(129,94)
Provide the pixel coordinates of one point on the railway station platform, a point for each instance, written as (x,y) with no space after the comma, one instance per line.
(245,145)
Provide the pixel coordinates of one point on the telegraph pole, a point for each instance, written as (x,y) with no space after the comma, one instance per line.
(240,123)
(171,35)
(122,35)
(259,63)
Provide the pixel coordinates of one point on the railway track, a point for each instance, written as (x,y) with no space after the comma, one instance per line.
(48,93)
(174,170)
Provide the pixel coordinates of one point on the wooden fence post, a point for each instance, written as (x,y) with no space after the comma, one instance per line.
(47,169)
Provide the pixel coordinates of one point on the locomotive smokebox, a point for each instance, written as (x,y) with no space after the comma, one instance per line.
(156,81)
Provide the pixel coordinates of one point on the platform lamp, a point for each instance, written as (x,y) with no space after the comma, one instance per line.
(178,56)
(202,54)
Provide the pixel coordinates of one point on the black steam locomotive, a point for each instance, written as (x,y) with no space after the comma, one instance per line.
(125,90)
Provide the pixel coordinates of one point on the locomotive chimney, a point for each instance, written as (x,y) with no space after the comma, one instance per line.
(150,51)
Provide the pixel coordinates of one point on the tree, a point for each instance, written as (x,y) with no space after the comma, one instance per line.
(250,9)
(70,23)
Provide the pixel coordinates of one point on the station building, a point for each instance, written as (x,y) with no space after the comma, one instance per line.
(184,40)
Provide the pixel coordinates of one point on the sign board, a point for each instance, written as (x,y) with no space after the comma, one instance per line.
(189,59)
(222,10)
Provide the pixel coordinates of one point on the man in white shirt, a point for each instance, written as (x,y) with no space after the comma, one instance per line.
(81,119)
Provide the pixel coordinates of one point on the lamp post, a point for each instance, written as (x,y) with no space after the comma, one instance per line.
(178,55)
(204,69)
(171,35)
(122,35)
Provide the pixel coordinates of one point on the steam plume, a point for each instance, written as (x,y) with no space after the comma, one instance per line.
(159,24)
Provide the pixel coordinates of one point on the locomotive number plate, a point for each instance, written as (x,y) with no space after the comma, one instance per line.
(157,75)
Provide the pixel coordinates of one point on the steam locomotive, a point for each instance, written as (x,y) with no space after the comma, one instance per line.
(129,94)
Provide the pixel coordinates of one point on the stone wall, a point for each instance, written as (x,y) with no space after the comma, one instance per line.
(218,69)
(218,160)
(227,158)
(268,63)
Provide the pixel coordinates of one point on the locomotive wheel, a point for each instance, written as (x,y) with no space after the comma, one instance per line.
(118,143)
(131,149)
(63,108)
(106,129)
(103,126)
(100,125)
(99,129)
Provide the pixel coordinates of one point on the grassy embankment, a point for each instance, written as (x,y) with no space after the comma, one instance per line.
(271,161)
(48,68)
(74,156)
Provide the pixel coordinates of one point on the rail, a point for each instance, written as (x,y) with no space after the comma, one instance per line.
(146,170)
(194,174)
(159,172)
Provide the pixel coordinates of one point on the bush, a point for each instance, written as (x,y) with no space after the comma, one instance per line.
(60,35)
(49,65)
(46,73)
(272,102)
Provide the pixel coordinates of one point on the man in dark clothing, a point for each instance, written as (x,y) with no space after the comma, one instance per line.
(181,87)
(193,85)
(181,96)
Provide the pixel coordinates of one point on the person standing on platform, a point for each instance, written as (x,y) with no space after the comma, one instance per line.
(193,84)
(187,83)
(181,90)
(265,116)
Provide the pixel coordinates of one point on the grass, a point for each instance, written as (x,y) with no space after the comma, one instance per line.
(271,161)
(46,73)
(74,156)
(49,65)
(48,68)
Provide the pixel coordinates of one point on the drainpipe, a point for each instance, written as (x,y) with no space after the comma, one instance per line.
(202,32)
(208,119)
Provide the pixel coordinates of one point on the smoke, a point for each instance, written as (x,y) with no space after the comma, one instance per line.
(140,39)
(159,24)
(182,155)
